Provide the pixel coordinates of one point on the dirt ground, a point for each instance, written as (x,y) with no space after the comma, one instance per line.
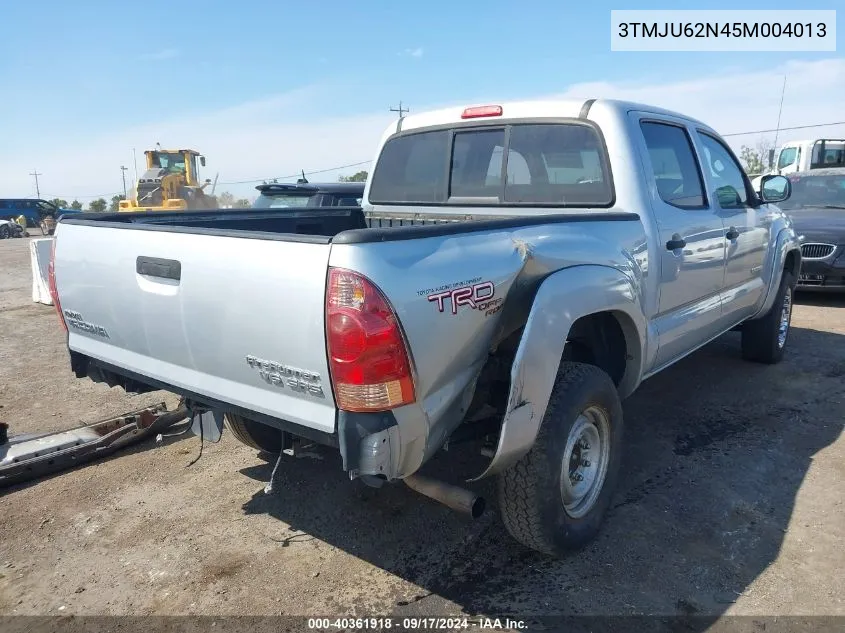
(730,502)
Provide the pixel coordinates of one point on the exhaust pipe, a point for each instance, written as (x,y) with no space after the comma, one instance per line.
(460,499)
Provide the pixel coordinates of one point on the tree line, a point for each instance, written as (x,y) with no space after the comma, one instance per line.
(100,205)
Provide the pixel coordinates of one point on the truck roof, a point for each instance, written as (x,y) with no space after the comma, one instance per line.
(569,108)
(269,189)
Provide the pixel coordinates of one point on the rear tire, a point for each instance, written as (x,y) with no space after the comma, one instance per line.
(254,434)
(764,339)
(5,233)
(544,504)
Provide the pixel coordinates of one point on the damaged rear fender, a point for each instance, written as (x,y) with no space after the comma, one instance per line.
(562,299)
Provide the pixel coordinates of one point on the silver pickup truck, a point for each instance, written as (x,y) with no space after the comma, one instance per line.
(514,272)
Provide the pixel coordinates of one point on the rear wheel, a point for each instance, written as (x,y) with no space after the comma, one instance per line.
(764,339)
(554,499)
(254,434)
(5,232)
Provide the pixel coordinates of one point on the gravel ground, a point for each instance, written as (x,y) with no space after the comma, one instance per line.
(731,502)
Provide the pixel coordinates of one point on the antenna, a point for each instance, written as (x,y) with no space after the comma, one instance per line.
(214,186)
(303,180)
(780,110)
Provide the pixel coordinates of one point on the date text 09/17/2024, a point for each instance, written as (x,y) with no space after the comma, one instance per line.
(416,623)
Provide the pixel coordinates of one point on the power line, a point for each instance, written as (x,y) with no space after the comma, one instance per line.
(366,162)
(76,196)
(797,127)
(297,175)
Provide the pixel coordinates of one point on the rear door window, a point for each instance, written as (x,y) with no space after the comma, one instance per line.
(674,166)
(557,164)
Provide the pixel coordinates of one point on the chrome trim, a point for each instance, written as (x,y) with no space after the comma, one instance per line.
(814,250)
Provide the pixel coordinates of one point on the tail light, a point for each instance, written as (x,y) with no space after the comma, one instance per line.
(368,358)
(51,281)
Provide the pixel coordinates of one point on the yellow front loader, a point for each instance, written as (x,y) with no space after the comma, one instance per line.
(170,183)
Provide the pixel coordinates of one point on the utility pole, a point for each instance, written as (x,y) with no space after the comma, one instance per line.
(400,110)
(135,161)
(37,190)
(123,173)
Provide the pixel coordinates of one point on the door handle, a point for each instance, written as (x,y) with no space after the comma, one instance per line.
(732,234)
(157,267)
(675,243)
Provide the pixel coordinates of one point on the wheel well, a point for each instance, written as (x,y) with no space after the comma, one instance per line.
(600,339)
(791,263)
(608,340)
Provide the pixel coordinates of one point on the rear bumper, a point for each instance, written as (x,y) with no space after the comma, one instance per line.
(369,443)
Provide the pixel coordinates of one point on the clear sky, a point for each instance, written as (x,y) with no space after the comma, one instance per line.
(266,88)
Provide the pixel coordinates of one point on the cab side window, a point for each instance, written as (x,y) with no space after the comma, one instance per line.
(725,173)
(674,165)
(787,157)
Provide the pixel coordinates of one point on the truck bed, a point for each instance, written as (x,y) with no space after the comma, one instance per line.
(321,225)
(228,307)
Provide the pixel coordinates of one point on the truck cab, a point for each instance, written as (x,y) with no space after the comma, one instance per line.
(798,156)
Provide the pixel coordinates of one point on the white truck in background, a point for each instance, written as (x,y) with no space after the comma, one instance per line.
(818,153)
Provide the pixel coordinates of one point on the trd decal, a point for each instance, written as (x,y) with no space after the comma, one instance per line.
(477,296)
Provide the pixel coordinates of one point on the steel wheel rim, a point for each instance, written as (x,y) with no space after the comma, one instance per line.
(585,460)
(785,317)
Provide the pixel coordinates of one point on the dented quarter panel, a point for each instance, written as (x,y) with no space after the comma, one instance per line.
(449,348)
(562,299)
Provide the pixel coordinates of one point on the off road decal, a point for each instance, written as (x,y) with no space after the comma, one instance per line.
(475,295)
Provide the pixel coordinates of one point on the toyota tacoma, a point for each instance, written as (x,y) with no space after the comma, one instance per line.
(514,272)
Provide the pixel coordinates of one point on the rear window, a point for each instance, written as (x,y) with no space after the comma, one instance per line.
(559,164)
(280,202)
(828,154)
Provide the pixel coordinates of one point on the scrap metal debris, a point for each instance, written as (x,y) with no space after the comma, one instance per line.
(27,456)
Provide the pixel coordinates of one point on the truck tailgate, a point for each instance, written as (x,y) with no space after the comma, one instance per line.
(237,319)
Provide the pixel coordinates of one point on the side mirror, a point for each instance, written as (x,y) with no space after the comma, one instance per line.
(774,188)
(202,161)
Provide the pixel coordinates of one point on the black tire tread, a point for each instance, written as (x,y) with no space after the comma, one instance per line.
(759,337)
(254,434)
(519,490)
